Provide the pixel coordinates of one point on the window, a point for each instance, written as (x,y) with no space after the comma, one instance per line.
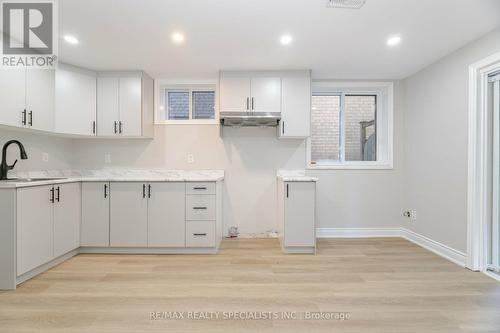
(181,104)
(351,125)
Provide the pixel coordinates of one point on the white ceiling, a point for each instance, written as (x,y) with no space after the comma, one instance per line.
(244,34)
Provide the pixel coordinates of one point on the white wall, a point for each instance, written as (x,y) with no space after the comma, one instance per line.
(249,156)
(364,198)
(435,144)
(59,150)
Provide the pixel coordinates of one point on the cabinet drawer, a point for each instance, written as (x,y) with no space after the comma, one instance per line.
(200,233)
(200,188)
(200,207)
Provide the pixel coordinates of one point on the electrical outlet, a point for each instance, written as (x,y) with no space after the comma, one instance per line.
(190,158)
(107,158)
(413,214)
(406,213)
(45,157)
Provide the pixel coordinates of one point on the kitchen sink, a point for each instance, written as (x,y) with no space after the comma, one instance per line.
(27,180)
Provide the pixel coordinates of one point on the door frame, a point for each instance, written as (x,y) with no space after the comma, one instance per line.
(478,162)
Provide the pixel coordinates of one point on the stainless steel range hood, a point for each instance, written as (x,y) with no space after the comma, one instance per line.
(259,119)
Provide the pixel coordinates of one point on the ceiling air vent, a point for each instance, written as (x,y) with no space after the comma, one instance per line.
(350,4)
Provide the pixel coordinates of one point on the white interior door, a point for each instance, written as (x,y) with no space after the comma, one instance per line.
(266,94)
(107,106)
(166,214)
(75,102)
(495,226)
(40,98)
(130,106)
(12,96)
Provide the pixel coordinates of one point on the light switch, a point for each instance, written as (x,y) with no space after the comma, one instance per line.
(190,158)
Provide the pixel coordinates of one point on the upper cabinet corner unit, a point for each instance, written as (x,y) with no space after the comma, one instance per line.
(78,102)
(27,98)
(285,92)
(124,104)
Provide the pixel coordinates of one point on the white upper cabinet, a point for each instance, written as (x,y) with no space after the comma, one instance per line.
(123,105)
(27,98)
(130,106)
(266,94)
(75,101)
(249,92)
(12,97)
(295,105)
(234,94)
(40,99)
(108,115)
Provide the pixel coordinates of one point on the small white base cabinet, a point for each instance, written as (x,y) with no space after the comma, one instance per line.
(297,216)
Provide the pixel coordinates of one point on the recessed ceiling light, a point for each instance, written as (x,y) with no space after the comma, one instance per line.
(286,39)
(393,41)
(71,39)
(177,37)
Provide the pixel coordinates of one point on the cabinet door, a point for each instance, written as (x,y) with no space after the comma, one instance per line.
(234,94)
(107,106)
(299,213)
(75,103)
(129,213)
(166,214)
(295,107)
(130,106)
(40,98)
(95,214)
(67,214)
(12,96)
(266,94)
(34,227)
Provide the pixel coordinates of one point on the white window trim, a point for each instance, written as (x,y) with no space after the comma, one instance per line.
(199,84)
(385,122)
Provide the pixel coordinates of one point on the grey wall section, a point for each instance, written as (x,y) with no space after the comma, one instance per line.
(364,198)
(59,150)
(249,156)
(435,142)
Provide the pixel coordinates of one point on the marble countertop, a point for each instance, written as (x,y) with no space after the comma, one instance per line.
(113,175)
(295,176)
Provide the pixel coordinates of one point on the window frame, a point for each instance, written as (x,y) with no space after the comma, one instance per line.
(383,122)
(162,86)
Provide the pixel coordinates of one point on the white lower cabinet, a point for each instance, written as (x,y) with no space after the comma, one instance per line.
(200,233)
(296,216)
(67,216)
(95,214)
(128,215)
(34,227)
(166,214)
(48,223)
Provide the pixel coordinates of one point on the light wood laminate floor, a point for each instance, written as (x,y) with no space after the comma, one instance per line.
(384,284)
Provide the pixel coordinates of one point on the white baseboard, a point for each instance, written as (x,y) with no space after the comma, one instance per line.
(440,249)
(357,232)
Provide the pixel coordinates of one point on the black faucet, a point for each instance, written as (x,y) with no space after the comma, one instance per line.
(4,167)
